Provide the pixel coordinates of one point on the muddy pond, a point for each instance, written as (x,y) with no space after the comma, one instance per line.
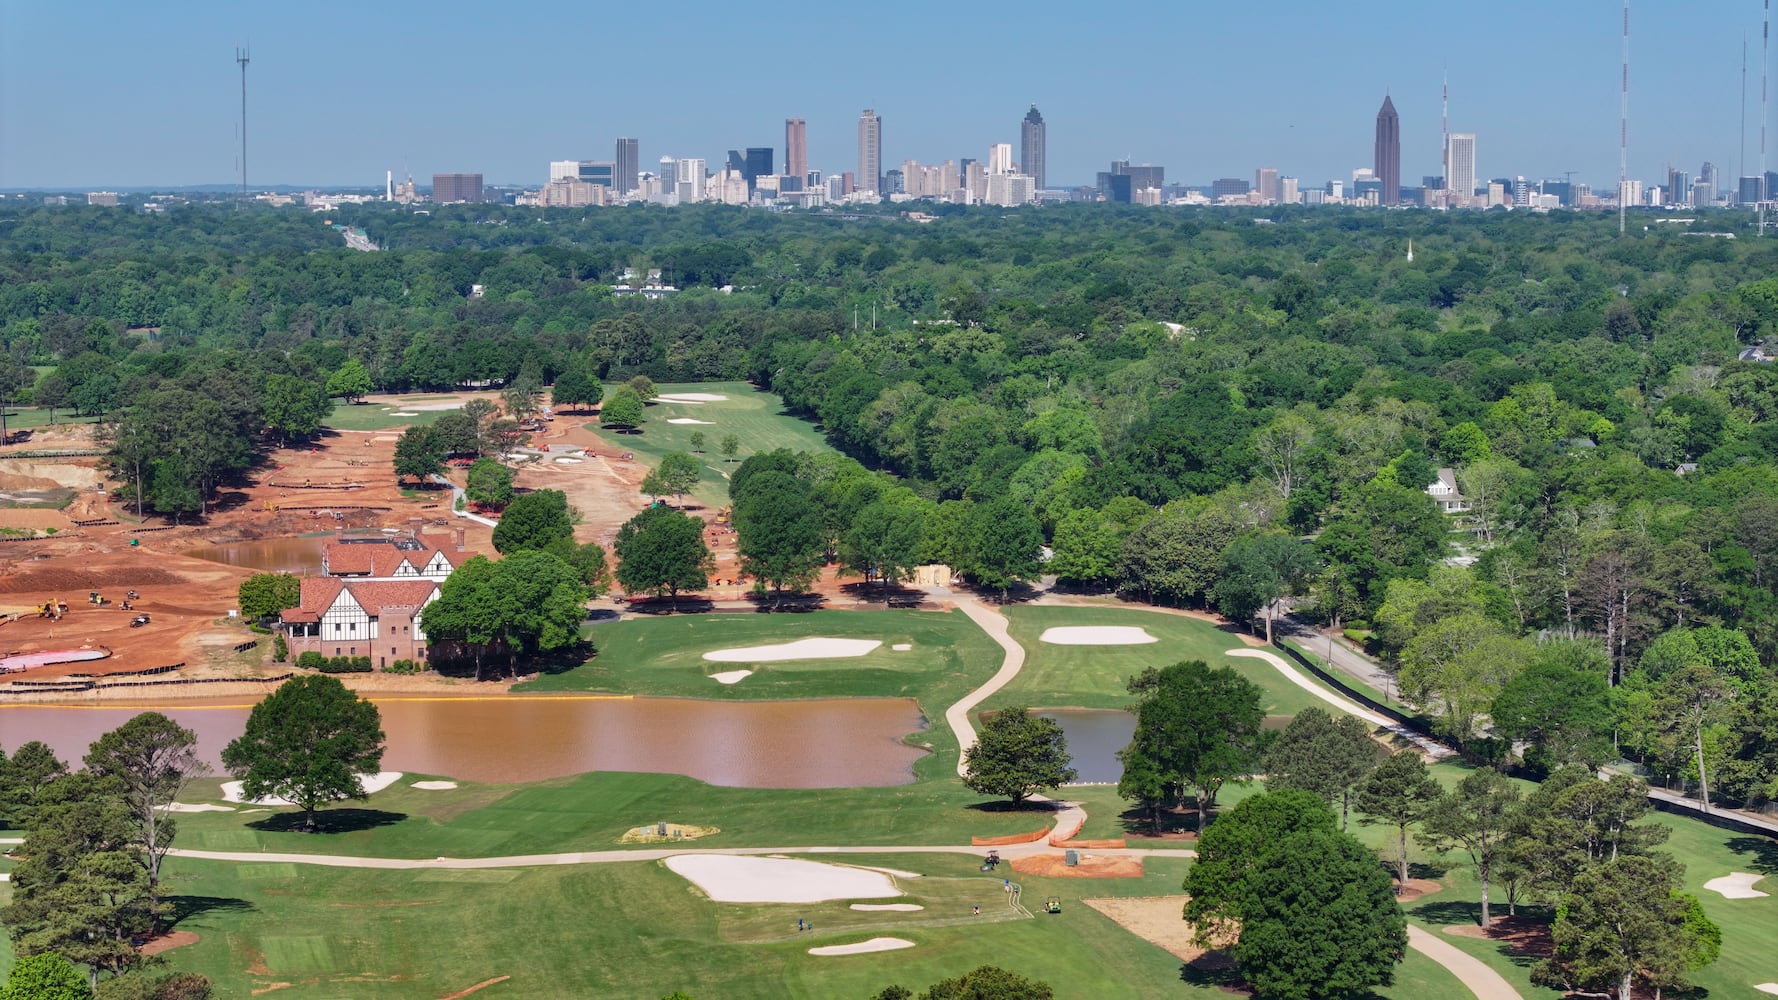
(269,555)
(842,743)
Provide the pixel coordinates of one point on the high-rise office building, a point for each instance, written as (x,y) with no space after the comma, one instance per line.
(668,177)
(1460,182)
(870,151)
(1705,185)
(691,180)
(796,148)
(759,164)
(628,164)
(564,170)
(1265,181)
(1388,152)
(1032,147)
(448,188)
(1000,158)
(601,172)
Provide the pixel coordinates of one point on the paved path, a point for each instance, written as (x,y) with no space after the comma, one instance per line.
(1472,972)
(1431,748)
(993,623)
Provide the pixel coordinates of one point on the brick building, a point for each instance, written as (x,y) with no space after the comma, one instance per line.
(368,603)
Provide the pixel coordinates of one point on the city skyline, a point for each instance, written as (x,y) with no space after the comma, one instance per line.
(448,100)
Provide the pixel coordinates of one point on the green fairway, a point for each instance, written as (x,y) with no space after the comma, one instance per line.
(1095,676)
(638,930)
(757,418)
(377,416)
(31,417)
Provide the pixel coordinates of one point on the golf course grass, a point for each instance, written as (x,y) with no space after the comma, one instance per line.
(1056,676)
(756,418)
(377,416)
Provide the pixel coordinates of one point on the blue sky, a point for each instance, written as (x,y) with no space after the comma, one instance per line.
(126,94)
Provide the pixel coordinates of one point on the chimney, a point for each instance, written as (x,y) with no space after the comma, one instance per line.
(459,539)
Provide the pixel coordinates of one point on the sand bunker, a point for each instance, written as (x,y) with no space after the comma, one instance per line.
(692,397)
(1736,885)
(435,786)
(568,461)
(373,783)
(687,420)
(405,413)
(198,807)
(802,649)
(1096,635)
(902,647)
(894,907)
(434,407)
(1763,987)
(863,947)
(1154,919)
(731,879)
(731,676)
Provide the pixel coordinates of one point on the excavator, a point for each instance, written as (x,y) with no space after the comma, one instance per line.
(51,609)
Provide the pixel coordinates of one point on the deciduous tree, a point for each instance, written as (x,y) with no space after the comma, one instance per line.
(1478,816)
(307,743)
(264,594)
(1626,922)
(662,551)
(534,521)
(1016,755)
(1196,727)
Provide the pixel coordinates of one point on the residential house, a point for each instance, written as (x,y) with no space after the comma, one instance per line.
(1444,491)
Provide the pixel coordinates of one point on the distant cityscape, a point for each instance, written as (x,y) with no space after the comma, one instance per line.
(751,176)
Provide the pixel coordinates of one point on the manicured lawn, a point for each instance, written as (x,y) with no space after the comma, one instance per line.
(757,418)
(377,416)
(638,930)
(1095,676)
(23,417)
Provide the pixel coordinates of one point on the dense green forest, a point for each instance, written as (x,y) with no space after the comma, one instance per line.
(1202,408)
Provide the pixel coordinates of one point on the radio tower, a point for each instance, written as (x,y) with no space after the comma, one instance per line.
(1444,135)
(1623,129)
(1765,34)
(241,57)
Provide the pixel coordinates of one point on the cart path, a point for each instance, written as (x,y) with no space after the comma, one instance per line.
(1433,750)
(994,623)
(1472,972)
(649,854)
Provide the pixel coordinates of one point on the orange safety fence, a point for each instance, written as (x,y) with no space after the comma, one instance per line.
(1016,838)
(1090,845)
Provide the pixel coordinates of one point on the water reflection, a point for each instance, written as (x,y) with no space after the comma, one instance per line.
(270,555)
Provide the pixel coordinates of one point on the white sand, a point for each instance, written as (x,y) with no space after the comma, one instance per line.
(372,783)
(902,647)
(863,947)
(1763,987)
(1736,885)
(1097,635)
(728,878)
(5,876)
(435,407)
(896,907)
(731,676)
(435,786)
(687,420)
(897,872)
(568,461)
(405,413)
(802,649)
(198,807)
(692,397)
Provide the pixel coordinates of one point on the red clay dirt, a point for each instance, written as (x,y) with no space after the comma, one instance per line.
(1057,866)
(167,942)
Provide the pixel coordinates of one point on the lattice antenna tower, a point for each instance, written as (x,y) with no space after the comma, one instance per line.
(1765,42)
(1623,128)
(242,57)
(1444,133)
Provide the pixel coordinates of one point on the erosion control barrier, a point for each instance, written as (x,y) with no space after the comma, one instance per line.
(169,668)
(1010,839)
(1089,845)
(52,687)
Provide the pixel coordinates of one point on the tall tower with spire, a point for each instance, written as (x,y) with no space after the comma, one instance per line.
(1388,152)
(1032,147)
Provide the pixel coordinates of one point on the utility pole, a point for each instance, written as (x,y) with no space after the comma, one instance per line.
(242,57)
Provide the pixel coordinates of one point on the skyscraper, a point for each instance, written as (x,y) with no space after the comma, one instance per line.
(1265,181)
(796,148)
(448,188)
(1460,182)
(1031,147)
(1000,158)
(870,152)
(1388,152)
(628,164)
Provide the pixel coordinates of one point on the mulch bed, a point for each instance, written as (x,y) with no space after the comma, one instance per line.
(167,941)
(1526,937)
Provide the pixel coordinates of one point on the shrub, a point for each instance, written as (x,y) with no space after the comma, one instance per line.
(346,665)
(280,648)
(312,660)
(405,667)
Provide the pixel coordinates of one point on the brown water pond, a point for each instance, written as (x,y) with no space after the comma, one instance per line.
(270,555)
(841,743)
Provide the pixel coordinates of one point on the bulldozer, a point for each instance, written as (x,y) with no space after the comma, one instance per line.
(51,609)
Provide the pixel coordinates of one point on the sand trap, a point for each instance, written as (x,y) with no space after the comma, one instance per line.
(435,786)
(373,783)
(864,947)
(731,676)
(433,407)
(404,413)
(198,807)
(902,647)
(1763,987)
(5,877)
(1097,635)
(1736,885)
(568,461)
(692,397)
(894,907)
(802,649)
(687,420)
(730,879)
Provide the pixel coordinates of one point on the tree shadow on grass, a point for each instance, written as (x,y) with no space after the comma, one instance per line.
(1008,806)
(1763,850)
(181,908)
(329,821)
(1445,912)
(1215,969)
